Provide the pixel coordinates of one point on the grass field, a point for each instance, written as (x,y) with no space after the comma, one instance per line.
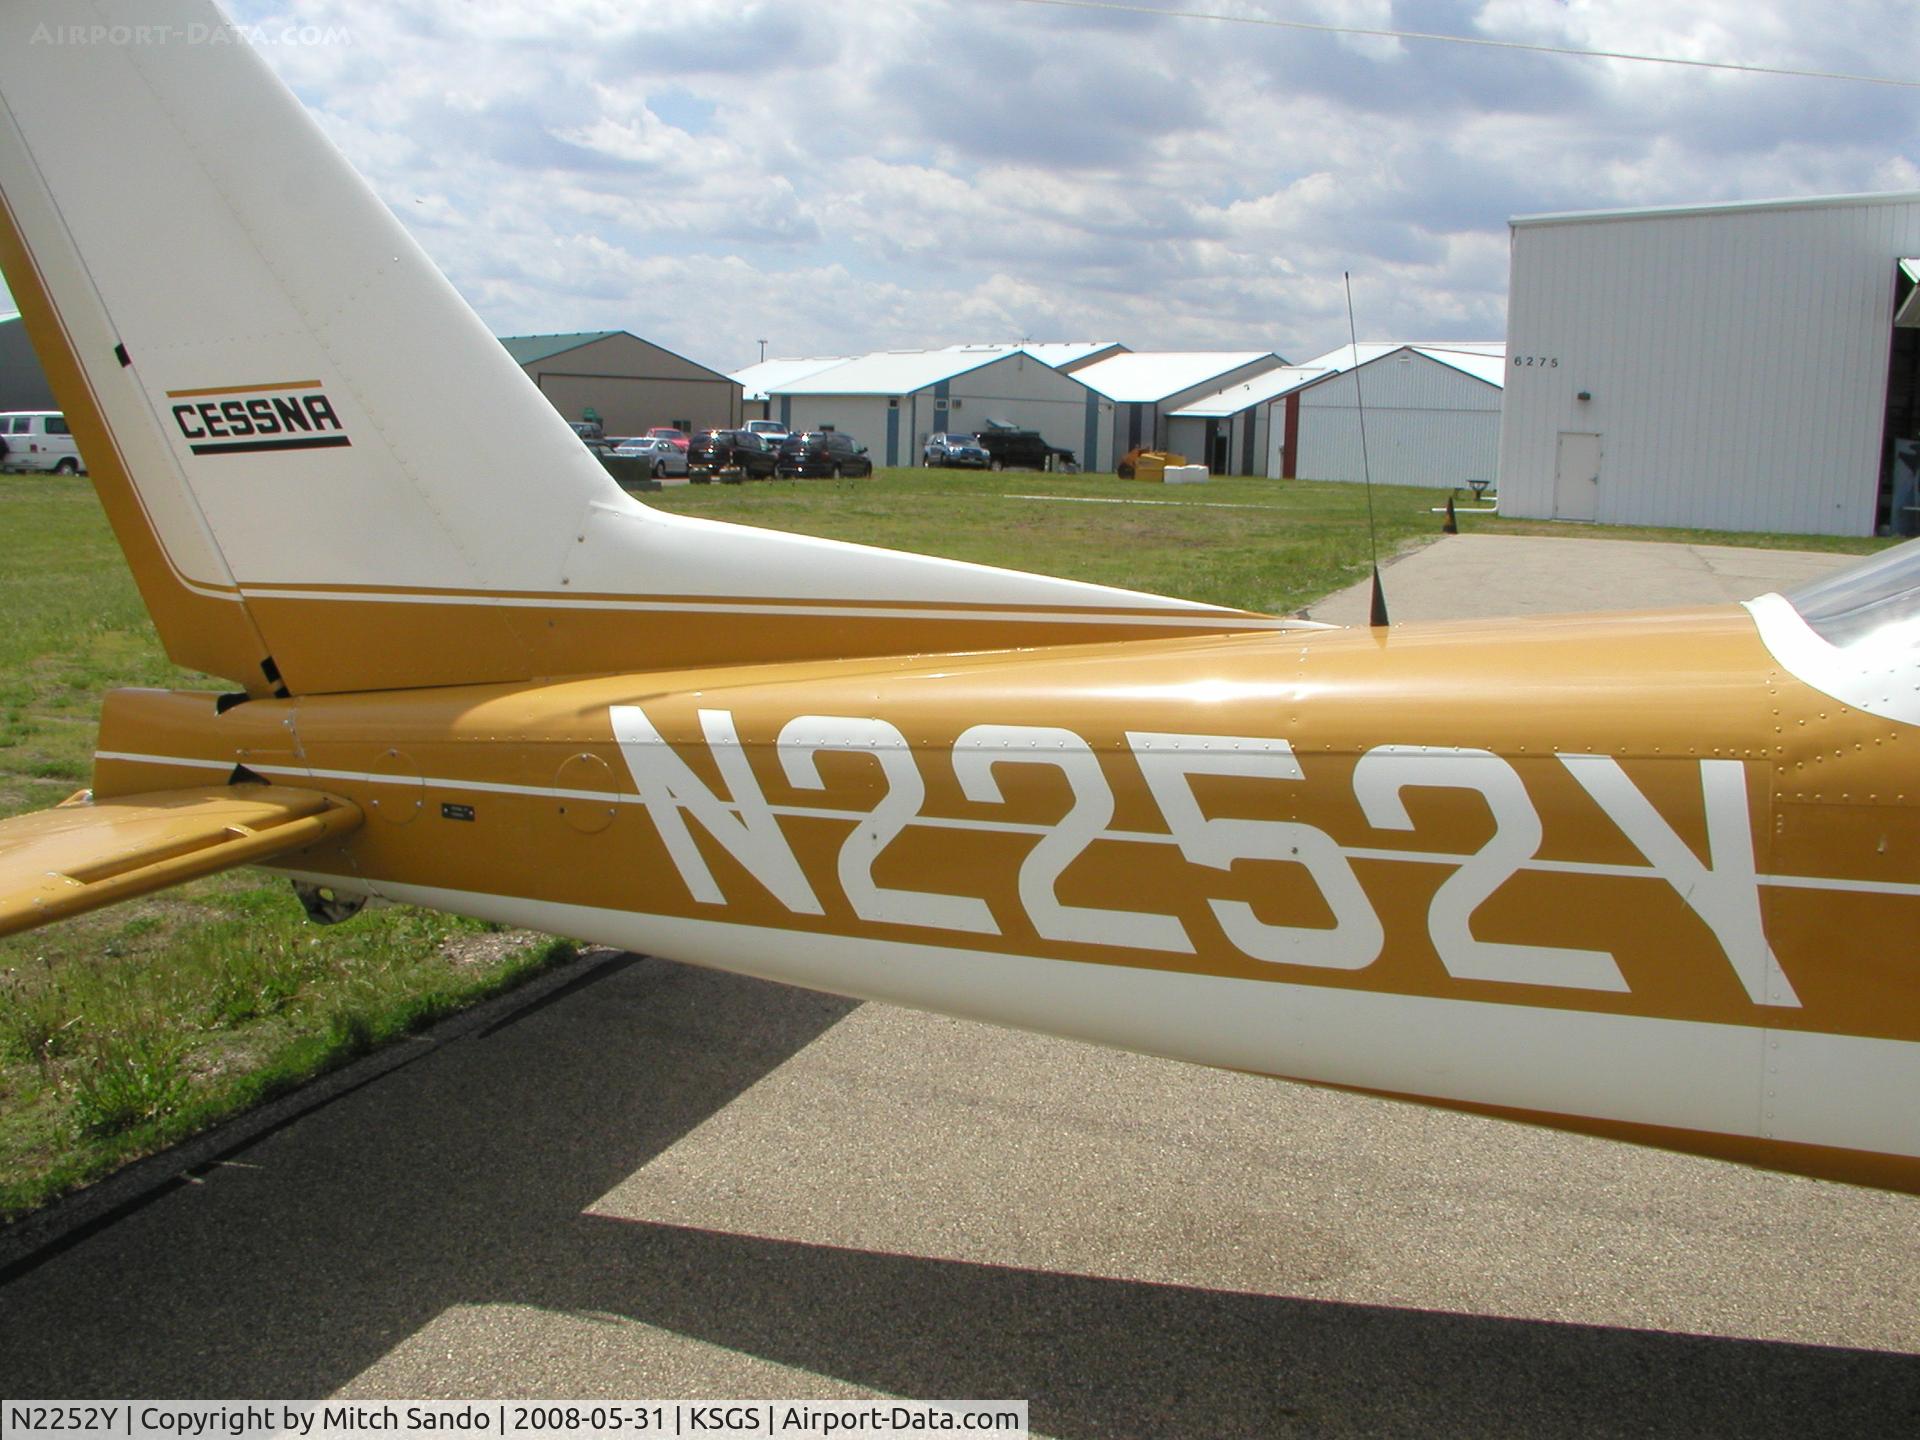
(1257,544)
(126,1030)
(1272,545)
(123,1031)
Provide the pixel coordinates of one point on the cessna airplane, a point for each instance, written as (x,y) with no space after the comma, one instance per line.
(1653,876)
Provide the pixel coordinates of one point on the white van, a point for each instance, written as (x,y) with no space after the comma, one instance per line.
(38,440)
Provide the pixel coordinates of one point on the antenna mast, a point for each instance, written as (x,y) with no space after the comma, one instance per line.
(1377,611)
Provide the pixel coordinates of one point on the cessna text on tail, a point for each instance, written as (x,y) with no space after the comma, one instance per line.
(1653,876)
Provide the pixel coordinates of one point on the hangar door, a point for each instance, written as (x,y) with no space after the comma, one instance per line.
(1900,447)
(1576,476)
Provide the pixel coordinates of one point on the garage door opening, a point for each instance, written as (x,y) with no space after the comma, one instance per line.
(1899,511)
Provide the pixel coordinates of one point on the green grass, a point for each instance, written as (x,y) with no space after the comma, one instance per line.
(126,1030)
(1268,545)
(1830,544)
(1258,544)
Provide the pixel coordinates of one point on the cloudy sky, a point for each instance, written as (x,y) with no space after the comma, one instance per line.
(843,175)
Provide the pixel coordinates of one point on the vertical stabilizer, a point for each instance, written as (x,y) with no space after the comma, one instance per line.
(323,467)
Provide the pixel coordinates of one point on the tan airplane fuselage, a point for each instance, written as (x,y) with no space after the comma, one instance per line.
(1567,874)
(1639,875)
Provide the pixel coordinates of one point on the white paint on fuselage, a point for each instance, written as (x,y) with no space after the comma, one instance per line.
(1847,1091)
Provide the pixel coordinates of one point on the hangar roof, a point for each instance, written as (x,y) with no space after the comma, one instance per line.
(531,349)
(1150,375)
(1649,212)
(1065,355)
(526,349)
(898,372)
(1482,359)
(768,376)
(1060,354)
(901,372)
(1257,391)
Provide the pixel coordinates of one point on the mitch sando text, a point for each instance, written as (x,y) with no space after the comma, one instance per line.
(1723,890)
(331,1420)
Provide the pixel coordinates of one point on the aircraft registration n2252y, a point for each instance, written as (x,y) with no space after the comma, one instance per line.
(1654,876)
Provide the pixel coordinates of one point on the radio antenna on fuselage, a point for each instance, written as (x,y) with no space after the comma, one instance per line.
(1377,610)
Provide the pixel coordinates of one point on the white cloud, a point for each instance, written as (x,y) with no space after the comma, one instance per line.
(839,177)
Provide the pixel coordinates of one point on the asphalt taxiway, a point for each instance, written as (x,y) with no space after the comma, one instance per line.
(659,1181)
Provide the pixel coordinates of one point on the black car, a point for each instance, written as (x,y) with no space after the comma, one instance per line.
(729,455)
(823,452)
(1024,448)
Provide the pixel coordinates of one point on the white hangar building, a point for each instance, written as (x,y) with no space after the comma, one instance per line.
(1228,431)
(892,400)
(1148,387)
(1431,413)
(627,382)
(1726,367)
(759,382)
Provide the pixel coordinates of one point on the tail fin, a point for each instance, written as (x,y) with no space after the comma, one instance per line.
(325,471)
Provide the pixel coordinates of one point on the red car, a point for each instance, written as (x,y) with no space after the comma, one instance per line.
(679,438)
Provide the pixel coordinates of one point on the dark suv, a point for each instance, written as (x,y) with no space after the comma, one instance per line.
(823,452)
(1026,448)
(729,455)
(950,447)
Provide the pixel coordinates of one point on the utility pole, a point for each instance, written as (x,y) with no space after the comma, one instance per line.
(763,350)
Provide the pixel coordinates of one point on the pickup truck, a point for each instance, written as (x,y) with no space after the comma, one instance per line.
(1024,448)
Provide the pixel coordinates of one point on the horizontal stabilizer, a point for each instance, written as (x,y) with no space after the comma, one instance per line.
(83,855)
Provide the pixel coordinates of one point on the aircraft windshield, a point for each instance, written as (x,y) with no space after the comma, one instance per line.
(1876,600)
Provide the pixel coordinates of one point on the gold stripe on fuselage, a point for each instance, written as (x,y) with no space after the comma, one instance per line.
(423,641)
(1626,877)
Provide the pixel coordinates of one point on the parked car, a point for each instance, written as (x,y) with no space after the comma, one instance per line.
(948,447)
(587,429)
(630,472)
(823,452)
(730,455)
(663,457)
(38,440)
(1007,447)
(771,431)
(680,438)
